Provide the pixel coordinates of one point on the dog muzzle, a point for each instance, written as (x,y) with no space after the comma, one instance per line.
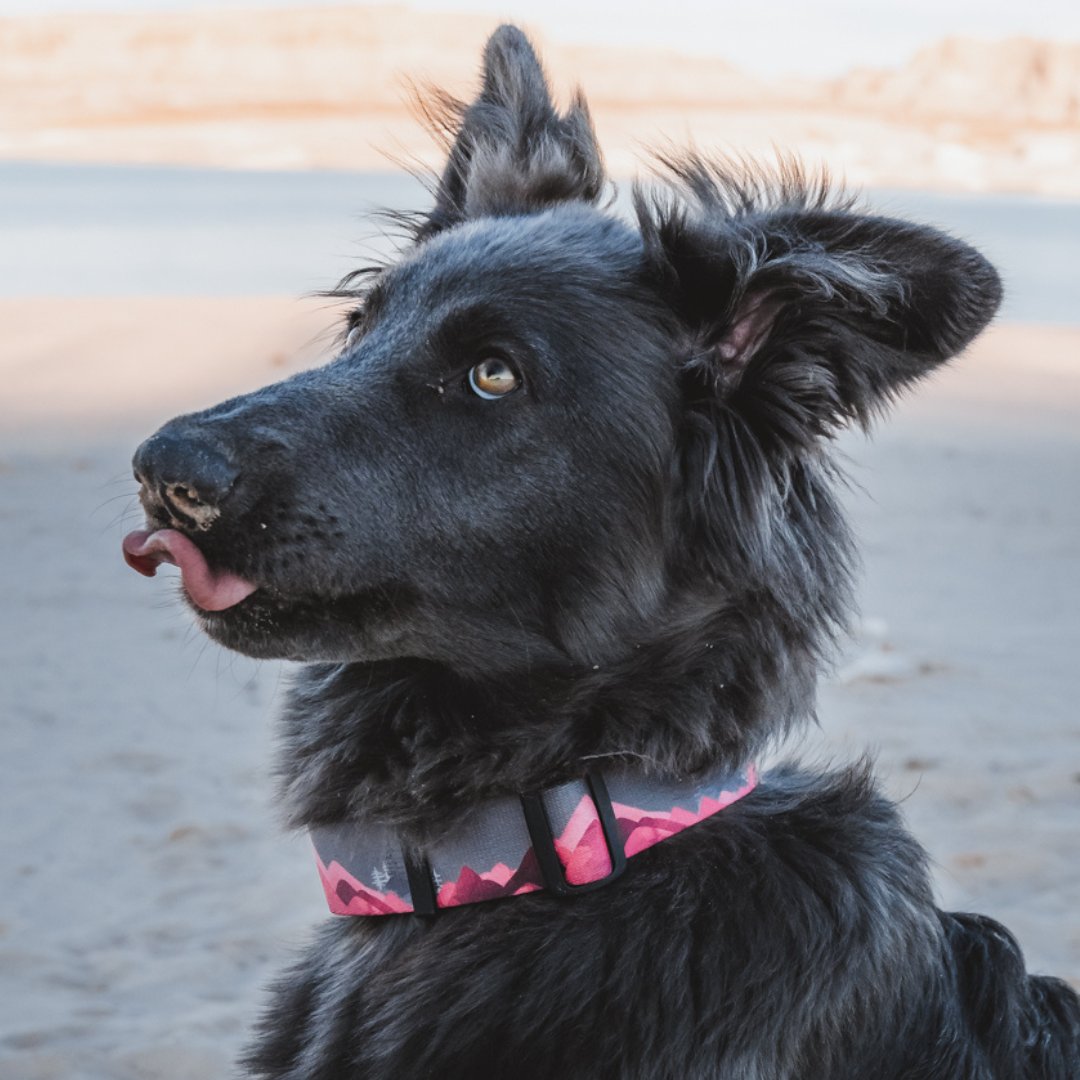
(568,839)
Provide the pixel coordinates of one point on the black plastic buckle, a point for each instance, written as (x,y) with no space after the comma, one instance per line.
(543,839)
(421,884)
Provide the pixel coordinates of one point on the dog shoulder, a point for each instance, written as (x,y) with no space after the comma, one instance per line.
(1010,1016)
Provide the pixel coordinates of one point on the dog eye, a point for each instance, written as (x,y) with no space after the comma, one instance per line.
(353,337)
(493,378)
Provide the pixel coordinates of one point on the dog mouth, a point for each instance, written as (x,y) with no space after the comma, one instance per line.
(209,590)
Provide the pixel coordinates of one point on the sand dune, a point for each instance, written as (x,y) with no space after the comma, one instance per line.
(326,87)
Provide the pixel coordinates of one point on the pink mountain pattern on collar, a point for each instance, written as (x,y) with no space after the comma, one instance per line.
(490,856)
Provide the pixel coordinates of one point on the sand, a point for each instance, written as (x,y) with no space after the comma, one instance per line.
(148,890)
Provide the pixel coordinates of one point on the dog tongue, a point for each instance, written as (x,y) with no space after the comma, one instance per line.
(146,551)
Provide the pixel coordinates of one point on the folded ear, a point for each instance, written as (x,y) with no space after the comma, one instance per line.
(510,152)
(801,314)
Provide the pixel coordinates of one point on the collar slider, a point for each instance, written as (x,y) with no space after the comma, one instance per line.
(543,839)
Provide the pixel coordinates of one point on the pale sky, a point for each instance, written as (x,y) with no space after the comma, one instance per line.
(814,37)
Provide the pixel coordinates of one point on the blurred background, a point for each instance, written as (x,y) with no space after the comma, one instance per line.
(176,180)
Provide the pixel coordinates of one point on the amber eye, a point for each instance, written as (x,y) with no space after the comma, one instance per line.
(493,378)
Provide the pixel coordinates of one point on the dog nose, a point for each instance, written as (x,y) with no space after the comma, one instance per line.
(185,475)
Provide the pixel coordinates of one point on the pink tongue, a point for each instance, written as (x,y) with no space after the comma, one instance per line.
(146,551)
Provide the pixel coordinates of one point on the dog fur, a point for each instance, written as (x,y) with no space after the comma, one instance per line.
(636,557)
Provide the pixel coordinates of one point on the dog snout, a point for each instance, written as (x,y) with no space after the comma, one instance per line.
(184,478)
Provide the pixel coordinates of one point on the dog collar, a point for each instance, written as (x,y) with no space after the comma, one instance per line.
(567,839)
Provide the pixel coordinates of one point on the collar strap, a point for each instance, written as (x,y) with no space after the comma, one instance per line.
(566,839)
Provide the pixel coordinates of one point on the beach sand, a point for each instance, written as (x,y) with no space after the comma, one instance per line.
(149,890)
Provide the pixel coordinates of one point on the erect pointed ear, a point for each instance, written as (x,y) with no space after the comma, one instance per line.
(801,314)
(510,152)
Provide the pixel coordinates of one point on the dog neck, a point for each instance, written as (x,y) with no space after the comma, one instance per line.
(413,746)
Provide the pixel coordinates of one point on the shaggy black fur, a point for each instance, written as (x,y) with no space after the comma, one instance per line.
(637,556)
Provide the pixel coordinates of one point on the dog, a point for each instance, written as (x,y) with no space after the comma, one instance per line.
(556,537)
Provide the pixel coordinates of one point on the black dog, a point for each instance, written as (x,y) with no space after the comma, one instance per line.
(558,524)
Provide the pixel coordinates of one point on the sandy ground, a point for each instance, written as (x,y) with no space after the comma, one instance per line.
(148,891)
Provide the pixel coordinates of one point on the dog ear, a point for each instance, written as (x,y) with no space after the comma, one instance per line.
(804,315)
(510,152)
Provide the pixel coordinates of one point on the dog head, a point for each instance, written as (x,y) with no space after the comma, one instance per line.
(554,434)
